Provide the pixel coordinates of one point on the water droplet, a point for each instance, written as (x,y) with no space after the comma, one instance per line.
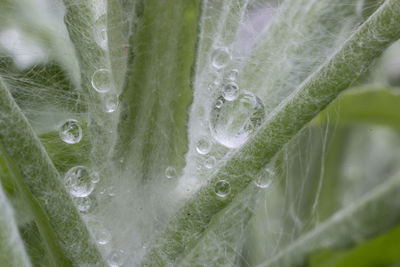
(95,177)
(103,39)
(220,57)
(233,122)
(116,258)
(203,146)
(102,80)
(230,91)
(222,188)
(79,181)
(170,172)
(83,203)
(265,179)
(209,163)
(111,191)
(233,74)
(213,86)
(219,103)
(102,236)
(70,132)
(111,103)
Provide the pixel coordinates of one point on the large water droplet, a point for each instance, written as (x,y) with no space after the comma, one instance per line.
(111,103)
(209,163)
(79,182)
(203,146)
(230,91)
(170,172)
(222,188)
(102,80)
(220,57)
(234,121)
(116,258)
(70,132)
(264,180)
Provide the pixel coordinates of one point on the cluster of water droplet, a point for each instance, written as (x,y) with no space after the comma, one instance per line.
(236,113)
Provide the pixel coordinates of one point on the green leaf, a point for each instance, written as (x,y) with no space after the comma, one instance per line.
(382,250)
(366,105)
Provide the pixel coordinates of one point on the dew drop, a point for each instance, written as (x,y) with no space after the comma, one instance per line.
(220,57)
(265,179)
(111,103)
(209,163)
(95,177)
(103,39)
(115,259)
(222,188)
(79,181)
(230,91)
(219,103)
(102,80)
(83,204)
(233,74)
(70,132)
(213,86)
(203,146)
(234,121)
(170,172)
(102,236)
(111,191)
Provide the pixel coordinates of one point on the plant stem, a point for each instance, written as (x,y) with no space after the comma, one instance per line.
(12,251)
(158,92)
(41,184)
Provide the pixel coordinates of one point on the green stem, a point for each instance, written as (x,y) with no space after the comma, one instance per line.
(222,239)
(58,258)
(313,95)
(42,185)
(158,92)
(12,251)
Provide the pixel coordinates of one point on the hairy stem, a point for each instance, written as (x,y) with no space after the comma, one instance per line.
(158,92)
(41,184)
(12,251)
